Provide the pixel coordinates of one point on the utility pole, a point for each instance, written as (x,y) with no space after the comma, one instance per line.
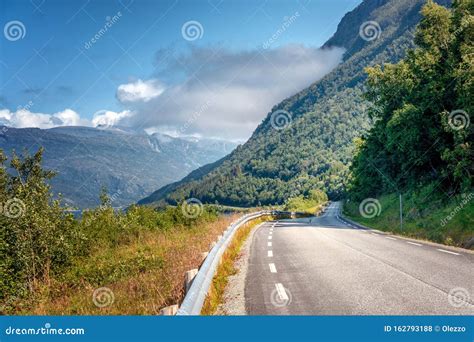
(401,213)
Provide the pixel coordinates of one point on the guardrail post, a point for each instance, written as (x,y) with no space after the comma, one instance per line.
(169,310)
(189,277)
(203,258)
(202,279)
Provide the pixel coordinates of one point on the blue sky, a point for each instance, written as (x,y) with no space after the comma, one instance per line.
(143,55)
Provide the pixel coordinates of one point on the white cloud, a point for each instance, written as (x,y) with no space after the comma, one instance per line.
(109,118)
(223,93)
(226,93)
(70,118)
(24,118)
(139,91)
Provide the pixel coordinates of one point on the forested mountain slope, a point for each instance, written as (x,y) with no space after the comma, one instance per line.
(316,147)
(422,107)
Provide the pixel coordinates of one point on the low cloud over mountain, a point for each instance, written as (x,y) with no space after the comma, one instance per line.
(218,92)
(223,93)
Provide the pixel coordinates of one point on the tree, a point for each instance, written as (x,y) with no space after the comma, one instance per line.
(416,139)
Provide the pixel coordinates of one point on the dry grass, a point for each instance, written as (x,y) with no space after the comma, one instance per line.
(147,274)
(226,267)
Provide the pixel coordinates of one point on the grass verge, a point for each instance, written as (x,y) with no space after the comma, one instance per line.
(449,223)
(143,275)
(226,268)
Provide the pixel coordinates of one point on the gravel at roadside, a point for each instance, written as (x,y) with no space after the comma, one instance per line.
(234,294)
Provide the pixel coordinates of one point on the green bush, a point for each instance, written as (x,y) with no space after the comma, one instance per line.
(39,239)
(307,203)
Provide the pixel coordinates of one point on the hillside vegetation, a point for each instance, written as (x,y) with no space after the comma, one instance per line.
(308,204)
(421,142)
(314,149)
(447,222)
(105,263)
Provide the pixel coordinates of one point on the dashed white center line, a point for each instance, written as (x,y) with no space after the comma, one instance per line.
(414,243)
(270,232)
(389,237)
(272,268)
(269,244)
(445,251)
(281,292)
(270,254)
(270,237)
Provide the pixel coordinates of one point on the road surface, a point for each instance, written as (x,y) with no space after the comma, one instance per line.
(323,266)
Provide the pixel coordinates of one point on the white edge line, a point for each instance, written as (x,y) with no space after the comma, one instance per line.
(391,238)
(414,243)
(445,251)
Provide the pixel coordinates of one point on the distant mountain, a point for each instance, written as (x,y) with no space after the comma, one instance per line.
(315,149)
(130,164)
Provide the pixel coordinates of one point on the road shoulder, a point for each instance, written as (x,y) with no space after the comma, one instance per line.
(348,221)
(234,294)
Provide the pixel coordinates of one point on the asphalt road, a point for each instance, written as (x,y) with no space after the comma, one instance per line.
(323,266)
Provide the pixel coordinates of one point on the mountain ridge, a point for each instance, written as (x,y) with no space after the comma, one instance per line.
(128,163)
(315,150)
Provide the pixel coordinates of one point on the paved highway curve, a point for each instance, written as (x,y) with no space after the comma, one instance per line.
(323,266)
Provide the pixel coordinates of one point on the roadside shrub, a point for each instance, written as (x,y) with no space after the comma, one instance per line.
(39,239)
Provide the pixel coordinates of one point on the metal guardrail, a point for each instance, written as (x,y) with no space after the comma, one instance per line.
(194,299)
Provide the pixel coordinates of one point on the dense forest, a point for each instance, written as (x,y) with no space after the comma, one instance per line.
(423,135)
(315,148)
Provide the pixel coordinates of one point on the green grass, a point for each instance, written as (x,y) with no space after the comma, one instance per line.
(310,204)
(226,267)
(424,217)
(140,255)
